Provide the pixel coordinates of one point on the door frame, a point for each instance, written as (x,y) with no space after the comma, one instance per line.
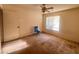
(2,26)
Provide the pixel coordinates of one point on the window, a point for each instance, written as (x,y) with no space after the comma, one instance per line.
(52,23)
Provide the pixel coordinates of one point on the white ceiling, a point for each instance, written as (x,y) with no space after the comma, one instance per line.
(60,7)
(57,7)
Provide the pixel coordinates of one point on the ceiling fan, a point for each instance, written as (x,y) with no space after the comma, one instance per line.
(45,9)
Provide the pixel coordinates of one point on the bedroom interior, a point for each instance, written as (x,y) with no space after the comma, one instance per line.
(39,28)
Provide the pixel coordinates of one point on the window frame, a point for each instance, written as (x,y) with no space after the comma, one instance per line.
(51,26)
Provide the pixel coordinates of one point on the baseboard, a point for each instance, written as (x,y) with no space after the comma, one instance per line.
(18,38)
(21,37)
(62,38)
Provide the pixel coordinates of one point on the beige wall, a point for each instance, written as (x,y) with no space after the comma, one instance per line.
(69,24)
(0,31)
(0,26)
(25,16)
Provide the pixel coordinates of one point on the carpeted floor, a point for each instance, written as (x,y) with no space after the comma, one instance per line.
(41,44)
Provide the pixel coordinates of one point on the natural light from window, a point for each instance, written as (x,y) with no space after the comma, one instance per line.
(15,46)
(52,23)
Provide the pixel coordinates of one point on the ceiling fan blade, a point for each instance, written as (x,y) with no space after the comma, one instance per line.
(50,8)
